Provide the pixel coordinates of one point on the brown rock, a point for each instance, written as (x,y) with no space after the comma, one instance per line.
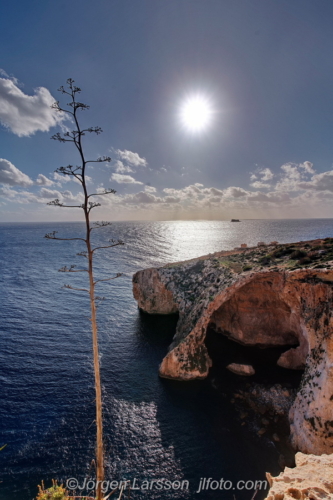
(240,369)
(151,294)
(292,359)
(263,308)
(312,478)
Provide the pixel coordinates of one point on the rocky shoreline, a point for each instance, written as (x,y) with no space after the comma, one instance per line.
(266,296)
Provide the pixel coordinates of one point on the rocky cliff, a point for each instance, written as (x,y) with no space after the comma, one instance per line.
(312,478)
(265,296)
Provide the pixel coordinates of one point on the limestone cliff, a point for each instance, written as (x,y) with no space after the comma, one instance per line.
(312,478)
(279,295)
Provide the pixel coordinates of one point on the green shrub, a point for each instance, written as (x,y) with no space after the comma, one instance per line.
(56,492)
(304,260)
(265,260)
(297,254)
(282,251)
(247,268)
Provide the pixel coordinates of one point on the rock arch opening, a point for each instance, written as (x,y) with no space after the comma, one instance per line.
(257,316)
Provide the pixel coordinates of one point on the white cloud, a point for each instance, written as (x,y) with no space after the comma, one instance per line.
(61,179)
(43,181)
(7,192)
(308,167)
(142,198)
(319,182)
(132,158)
(121,168)
(42,197)
(5,75)
(216,192)
(260,185)
(290,179)
(235,192)
(266,174)
(65,196)
(124,179)
(12,176)
(23,114)
(259,178)
(50,193)
(297,193)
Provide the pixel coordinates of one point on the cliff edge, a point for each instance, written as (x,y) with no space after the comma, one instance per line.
(312,478)
(265,296)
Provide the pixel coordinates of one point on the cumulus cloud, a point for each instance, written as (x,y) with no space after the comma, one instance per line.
(308,167)
(61,179)
(43,196)
(5,75)
(124,179)
(42,180)
(64,196)
(150,189)
(235,192)
(132,158)
(24,114)
(319,182)
(12,176)
(260,185)
(260,177)
(121,168)
(291,176)
(297,191)
(142,198)
(266,174)
(7,192)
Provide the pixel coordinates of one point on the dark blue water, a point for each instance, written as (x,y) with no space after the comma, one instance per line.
(153,428)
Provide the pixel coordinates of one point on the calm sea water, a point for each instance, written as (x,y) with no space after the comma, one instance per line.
(154,428)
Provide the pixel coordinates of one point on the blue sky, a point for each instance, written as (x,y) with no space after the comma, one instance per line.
(265,66)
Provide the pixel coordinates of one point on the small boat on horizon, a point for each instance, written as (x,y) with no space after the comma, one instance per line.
(235,220)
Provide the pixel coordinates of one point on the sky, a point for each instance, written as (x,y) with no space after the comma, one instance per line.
(264,68)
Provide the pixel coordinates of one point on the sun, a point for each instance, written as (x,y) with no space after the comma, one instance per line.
(196,113)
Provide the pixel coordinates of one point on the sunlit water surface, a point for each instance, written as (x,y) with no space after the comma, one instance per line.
(154,428)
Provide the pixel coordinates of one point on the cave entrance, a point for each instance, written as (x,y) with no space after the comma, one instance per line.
(223,351)
(255,326)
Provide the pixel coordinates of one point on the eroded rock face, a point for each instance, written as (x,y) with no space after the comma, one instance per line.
(312,478)
(258,314)
(264,308)
(151,294)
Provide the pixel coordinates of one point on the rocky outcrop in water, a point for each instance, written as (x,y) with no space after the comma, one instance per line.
(266,296)
(241,369)
(312,478)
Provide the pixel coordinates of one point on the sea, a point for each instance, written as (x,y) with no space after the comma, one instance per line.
(155,429)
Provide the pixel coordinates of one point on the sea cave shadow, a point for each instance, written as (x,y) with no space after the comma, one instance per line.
(198,419)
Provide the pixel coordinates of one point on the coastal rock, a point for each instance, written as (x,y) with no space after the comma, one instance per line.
(151,294)
(294,359)
(265,307)
(312,478)
(241,369)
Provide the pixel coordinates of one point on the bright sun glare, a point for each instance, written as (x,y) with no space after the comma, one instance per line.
(196,113)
